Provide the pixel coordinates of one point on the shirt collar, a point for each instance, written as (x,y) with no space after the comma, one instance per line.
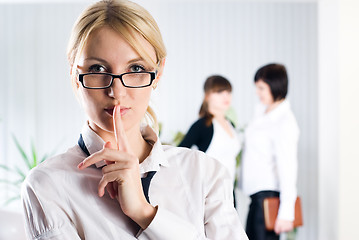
(157,157)
(93,142)
(277,112)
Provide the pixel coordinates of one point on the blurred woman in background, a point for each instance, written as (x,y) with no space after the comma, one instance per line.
(269,166)
(213,133)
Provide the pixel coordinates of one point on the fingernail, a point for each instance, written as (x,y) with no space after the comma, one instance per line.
(80,165)
(107,144)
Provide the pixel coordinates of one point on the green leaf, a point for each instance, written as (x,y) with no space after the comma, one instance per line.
(235,183)
(19,182)
(17,197)
(22,152)
(9,182)
(239,158)
(178,137)
(14,188)
(21,173)
(43,158)
(5,167)
(232,116)
(34,155)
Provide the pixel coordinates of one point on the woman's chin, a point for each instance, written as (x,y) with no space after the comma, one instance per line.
(100,127)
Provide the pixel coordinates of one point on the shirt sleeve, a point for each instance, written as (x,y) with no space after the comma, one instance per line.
(285,146)
(44,216)
(167,225)
(221,219)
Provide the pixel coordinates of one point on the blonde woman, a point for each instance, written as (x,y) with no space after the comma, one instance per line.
(119,182)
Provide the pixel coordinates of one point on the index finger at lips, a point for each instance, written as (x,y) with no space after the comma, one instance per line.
(121,138)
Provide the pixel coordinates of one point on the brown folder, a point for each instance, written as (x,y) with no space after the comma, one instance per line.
(271,206)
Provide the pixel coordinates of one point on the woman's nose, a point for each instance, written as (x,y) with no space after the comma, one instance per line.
(117,90)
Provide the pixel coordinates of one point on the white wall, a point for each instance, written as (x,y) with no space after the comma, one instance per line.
(232,38)
(338,119)
(328,119)
(348,193)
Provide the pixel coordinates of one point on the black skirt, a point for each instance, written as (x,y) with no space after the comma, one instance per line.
(255,228)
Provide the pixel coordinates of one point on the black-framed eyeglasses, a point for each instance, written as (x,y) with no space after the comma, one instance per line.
(105,80)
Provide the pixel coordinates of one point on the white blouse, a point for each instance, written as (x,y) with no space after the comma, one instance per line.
(192,191)
(224,147)
(270,156)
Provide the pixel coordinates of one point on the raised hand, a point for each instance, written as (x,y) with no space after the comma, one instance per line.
(121,176)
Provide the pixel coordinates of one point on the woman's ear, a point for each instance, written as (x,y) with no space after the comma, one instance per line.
(73,78)
(159,73)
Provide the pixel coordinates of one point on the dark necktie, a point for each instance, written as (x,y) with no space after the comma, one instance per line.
(145,181)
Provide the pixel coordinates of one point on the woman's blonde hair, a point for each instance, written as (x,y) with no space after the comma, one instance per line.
(128,19)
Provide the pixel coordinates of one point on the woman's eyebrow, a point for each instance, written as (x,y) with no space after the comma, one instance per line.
(95,59)
(135,60)
(104,61)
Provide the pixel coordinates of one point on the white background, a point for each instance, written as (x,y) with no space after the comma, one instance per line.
(231,38)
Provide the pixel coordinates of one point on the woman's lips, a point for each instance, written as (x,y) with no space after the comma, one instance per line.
(123,111)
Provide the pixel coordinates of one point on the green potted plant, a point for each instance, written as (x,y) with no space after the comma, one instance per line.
(18,173)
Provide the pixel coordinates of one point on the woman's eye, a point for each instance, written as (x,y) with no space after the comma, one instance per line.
(137,68)
(97,68)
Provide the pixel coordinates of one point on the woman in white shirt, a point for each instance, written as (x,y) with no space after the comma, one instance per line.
(213,133)
(269,165)
(117,56)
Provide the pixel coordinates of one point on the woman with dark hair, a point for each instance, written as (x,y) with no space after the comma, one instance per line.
(269,166)
(213,133)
